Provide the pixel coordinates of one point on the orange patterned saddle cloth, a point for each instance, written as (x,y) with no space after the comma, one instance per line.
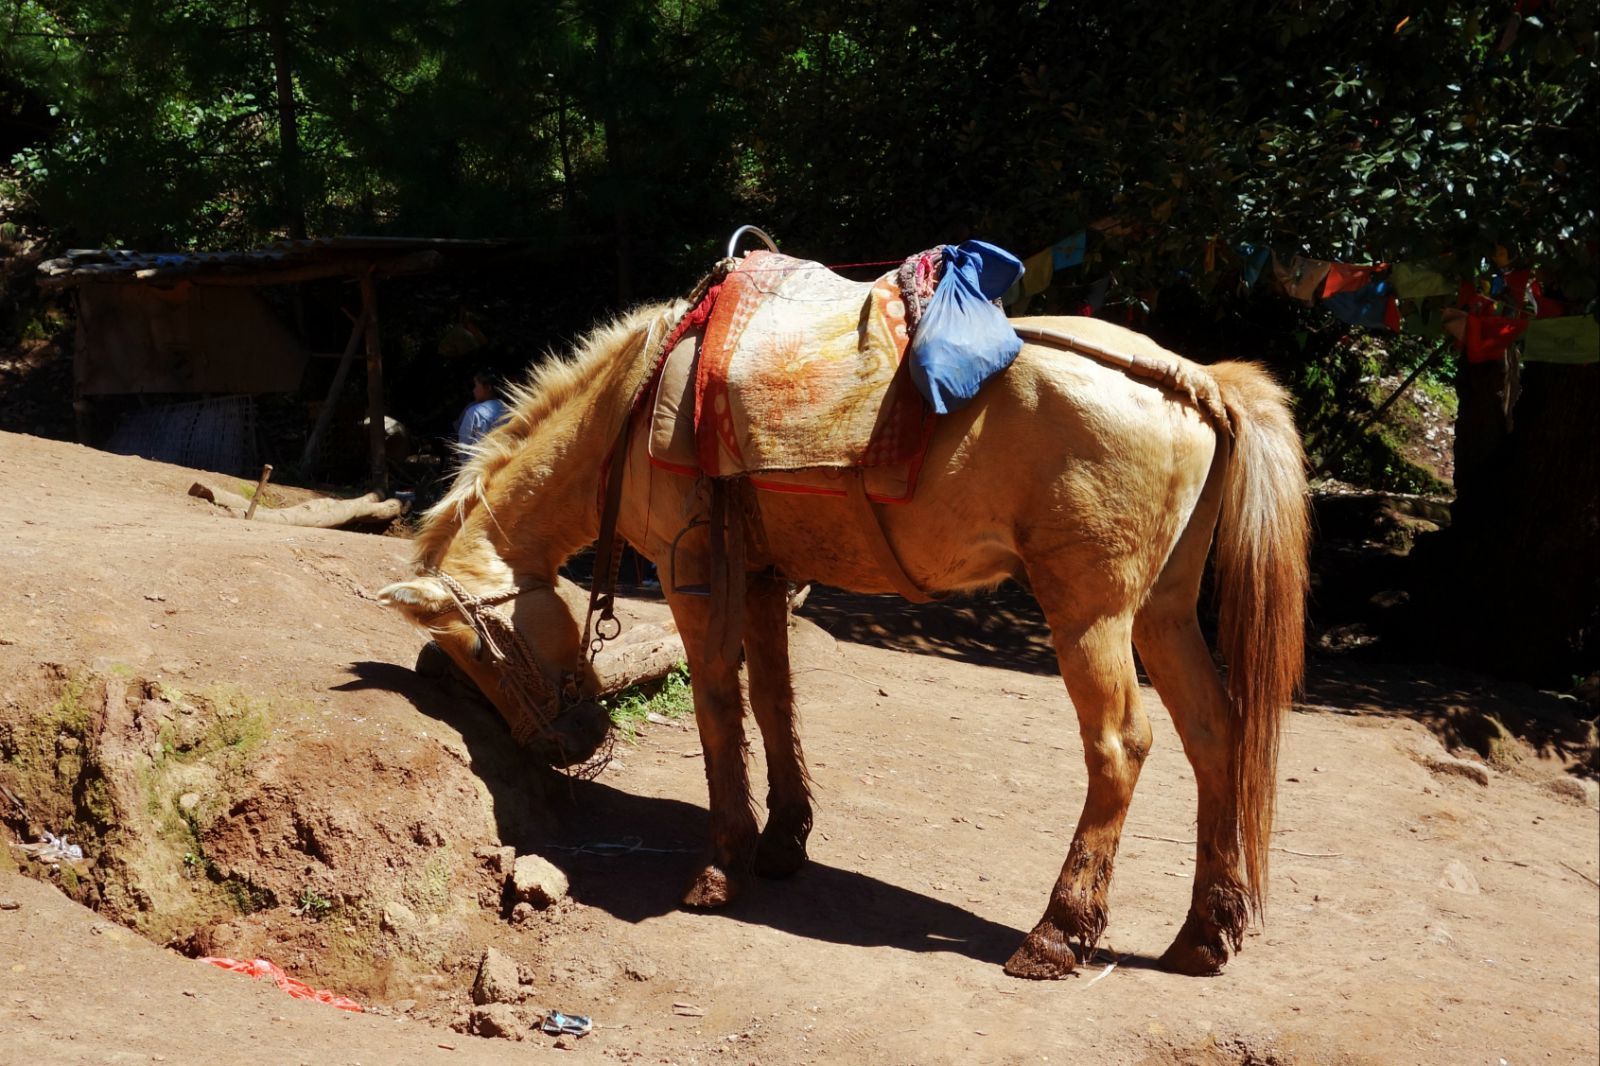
(796,379)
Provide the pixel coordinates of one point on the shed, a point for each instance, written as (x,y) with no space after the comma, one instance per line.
(197,322)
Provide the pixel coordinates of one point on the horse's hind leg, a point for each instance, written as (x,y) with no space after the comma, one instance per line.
(782,849)
(1175,656)
(1096,660)
(719,713)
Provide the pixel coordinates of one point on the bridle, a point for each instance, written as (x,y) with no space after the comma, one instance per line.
(534,704)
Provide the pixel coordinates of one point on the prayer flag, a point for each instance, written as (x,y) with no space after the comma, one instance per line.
(1342,277)
(1373,305)
(1418,283)
(1573,339)
(1068,252)
(1488,336)
(1255,258)
(1303,278)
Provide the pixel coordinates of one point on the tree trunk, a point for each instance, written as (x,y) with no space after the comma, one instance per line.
(294,215)
(1517,588)
(616,143)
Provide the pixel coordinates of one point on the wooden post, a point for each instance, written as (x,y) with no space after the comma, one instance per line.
(308,458)
(375,434)
(261,487)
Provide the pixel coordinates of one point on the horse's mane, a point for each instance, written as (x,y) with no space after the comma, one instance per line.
(548,386)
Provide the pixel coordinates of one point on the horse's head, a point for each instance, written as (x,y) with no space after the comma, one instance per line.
(522,653)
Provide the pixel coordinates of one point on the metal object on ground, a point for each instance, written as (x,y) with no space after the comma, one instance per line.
(557,1024)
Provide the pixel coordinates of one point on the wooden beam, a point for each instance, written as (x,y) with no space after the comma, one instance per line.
(308,458)
(384,268)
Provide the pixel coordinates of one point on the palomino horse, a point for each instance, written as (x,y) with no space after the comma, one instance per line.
(1098,490)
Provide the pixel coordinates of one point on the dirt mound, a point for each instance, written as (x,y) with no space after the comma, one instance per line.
(225,720)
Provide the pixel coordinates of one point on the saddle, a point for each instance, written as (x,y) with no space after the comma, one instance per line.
(795,380)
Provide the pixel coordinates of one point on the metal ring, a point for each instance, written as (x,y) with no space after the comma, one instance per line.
(733,242)
(616,628)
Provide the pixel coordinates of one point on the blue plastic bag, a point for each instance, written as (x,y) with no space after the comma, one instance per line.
(963,339)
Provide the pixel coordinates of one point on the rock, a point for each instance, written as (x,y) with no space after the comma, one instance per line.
(9,905)
(189,801)
(397,918)
(496,860)
(496,1020)
(534,880)
(1581,790)
(1457,878)
(1446,765)
(405,1006)
(1439,933)
(521,913)
(497,980)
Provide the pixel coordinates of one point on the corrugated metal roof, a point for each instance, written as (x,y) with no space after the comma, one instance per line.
(335,254)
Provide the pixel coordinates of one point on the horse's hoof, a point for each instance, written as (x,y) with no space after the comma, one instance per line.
(779,856)
(1198,951)
(711,888)
(1043,956)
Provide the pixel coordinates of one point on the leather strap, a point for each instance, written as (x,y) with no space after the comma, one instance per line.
(882,552)
(607,559)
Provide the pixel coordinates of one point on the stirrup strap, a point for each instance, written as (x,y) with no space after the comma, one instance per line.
(607,559)
(882,552)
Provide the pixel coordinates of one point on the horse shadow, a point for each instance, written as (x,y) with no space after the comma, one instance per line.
(1001,627)
(632,856)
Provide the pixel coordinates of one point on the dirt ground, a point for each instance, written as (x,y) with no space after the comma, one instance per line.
(224,717)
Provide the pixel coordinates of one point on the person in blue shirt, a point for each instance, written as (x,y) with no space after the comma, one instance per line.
(484,413)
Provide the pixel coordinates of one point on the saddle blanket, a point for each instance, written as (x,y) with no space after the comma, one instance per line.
(797,377)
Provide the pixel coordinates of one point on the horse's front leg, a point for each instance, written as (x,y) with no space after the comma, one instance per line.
(719,713)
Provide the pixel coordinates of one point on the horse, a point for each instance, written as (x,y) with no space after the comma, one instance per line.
(1097,490)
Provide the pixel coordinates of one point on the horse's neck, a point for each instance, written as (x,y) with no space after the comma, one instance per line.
(543,504)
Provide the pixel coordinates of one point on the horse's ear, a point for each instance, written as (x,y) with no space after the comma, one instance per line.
(417,597)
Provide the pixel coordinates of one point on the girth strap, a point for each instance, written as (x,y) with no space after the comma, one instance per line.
(882,551)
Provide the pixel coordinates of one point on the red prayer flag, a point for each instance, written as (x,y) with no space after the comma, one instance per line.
(1488,336)
(1342,277)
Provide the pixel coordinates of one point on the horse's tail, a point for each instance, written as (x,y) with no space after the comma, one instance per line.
(1262,542)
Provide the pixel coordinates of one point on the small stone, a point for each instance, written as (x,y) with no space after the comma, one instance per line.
(497,980)
(1581,790)
(397,918)
(1439,933)
(189,801)
(521,913)
(1447,765)
(67,742)
(1457,878)
(496,1020)
(496,860)
(405,1006)
(10,905)
(537,881)
(562,1044)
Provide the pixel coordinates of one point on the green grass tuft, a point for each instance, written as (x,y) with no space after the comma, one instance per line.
(671,697)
